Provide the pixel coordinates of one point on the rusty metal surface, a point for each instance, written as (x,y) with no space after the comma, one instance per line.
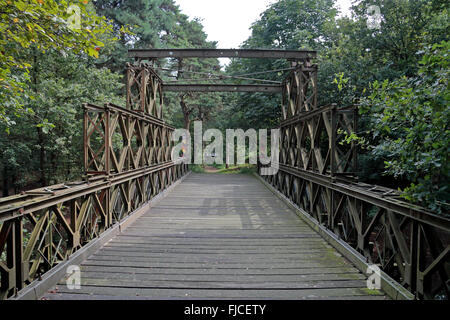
(222,53)
(222,88)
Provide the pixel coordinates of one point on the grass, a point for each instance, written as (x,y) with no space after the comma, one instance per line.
(241,169)
(222,169)
(372,292)
(197,168)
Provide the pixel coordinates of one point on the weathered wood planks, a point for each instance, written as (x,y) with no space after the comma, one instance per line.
(217,237)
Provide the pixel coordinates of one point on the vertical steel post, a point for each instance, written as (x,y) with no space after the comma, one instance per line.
(107,141)
(414,255)
(143,89)
(333,140)
(85,139)
(18,256)
(11,258)
(355,145)
(128,86)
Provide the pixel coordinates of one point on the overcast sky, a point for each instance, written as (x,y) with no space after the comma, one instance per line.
(229,24)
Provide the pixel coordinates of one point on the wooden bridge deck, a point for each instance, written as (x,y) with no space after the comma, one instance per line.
(217,237)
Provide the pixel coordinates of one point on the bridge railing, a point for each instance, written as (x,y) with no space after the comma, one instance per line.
(117,140)
(405,241)
(318,174)
(44,227)
(128,161)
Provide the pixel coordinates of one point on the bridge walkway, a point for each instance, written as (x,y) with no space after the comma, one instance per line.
(217,236)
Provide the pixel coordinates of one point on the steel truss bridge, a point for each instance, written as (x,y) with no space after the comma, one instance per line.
(142,226)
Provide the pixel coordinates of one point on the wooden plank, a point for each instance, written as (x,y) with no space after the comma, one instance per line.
(127,262)
(205,237)
(217,294)
(218,284)
(121,239)
(219,256)
(240,278)
(309,244)
(214,272)
(216,249)
(72,296)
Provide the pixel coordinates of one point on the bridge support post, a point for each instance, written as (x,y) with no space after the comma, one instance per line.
(108,137)
(18,254)
(333,140)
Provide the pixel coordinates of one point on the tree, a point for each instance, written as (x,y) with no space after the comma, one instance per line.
(388,52)
(41,25)
(405,25)
(364,53)
(151,23)
(160,24)
(286,24)
(45,145)
(194,106)
(409,120)
(293,24)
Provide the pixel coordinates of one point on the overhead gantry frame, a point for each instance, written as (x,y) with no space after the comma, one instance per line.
(296,57)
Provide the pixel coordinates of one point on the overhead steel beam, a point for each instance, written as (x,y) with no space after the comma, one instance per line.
(221,88)
(221,53)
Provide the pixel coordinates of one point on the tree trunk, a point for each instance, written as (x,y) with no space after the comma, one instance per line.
(184,108)
(187,122)
(186,113)
(5,182)
(16,189)
(55,167)
(43,179)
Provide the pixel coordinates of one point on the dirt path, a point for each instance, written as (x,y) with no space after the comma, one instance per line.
(211,169)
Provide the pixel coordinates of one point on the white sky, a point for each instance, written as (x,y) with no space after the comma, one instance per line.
(229,24)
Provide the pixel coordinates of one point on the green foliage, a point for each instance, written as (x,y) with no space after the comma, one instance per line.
(47,69)
(197,168)
(160,24)
(152,24)
(293,24)
(409,120)
(41,136)
(348,138)
(234,169)
(248,170)
(42,25)
(44,146)
(410,135)
(286,24)
(193,106)
(388,52)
